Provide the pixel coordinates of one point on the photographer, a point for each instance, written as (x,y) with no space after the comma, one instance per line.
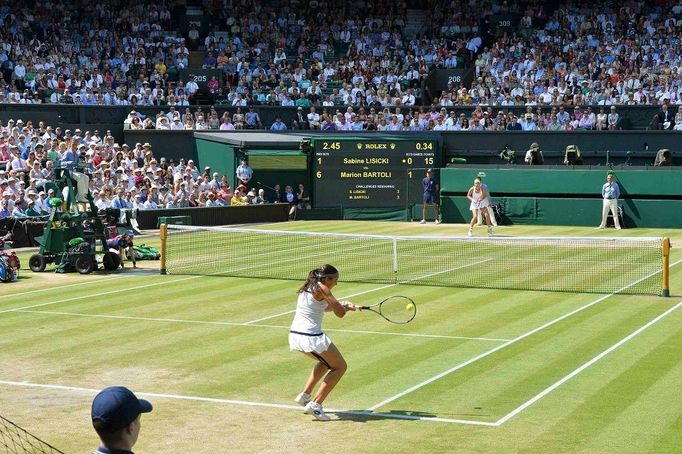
(663,158)
(572,155)
(508,155)
(534,155)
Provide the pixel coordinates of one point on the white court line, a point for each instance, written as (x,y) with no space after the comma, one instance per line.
(52,289)
(214,400)
(377,289)
(435,336)
(560,382)
(507,344)
(219,323)
(111,292)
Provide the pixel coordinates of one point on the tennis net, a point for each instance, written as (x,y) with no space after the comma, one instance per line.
(591,265)
(15,440)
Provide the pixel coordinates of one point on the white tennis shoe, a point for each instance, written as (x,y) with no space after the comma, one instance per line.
(302,399)
(423,221)
(471,232)
(490,230)
(315,409)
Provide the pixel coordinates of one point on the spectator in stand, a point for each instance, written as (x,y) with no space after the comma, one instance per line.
(278,125)
(290,198)
(303,198)
(252,119)
(613,119)
(664,119)
(260,198)
(239,198)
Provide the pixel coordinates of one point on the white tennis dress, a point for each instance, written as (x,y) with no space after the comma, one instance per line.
(306,333)
(479,201)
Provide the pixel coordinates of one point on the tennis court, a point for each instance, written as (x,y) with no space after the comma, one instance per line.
(478,369)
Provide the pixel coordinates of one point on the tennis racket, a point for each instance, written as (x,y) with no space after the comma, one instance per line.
(395,309)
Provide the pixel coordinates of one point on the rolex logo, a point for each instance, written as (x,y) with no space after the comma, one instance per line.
(392,146)
(359,146)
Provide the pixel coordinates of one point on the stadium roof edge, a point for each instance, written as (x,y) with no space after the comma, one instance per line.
(244,139)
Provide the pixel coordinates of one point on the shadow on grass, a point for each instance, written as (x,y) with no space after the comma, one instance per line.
(406,415)
(365,415)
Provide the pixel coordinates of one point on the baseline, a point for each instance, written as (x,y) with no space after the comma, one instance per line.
(297,408)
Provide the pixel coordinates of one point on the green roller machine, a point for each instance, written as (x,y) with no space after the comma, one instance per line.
(75,233)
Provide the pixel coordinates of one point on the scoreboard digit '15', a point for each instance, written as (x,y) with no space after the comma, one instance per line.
(369,172)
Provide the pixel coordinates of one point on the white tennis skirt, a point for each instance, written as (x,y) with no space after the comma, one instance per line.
(481,204)
(307,344)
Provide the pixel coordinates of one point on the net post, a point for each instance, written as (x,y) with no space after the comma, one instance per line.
(665,268)
(163,235)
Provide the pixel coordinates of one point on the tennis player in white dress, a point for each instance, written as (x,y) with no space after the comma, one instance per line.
(306,335)
(479,203)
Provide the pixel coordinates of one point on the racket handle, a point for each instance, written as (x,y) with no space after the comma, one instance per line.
(364,307)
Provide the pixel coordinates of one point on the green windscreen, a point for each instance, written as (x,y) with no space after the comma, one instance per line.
(277,159)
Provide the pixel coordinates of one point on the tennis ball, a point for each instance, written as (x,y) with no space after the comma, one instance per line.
(409,307)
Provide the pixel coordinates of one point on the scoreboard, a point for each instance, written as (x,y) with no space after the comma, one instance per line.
(380,172)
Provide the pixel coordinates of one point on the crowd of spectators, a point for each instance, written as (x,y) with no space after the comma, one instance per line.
(356,69)
(121,176)
(281,53)
(335,118)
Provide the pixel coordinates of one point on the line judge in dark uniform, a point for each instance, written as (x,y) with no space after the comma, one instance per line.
(430,195)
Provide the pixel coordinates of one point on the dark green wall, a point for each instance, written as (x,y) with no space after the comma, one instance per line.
(571,211)
(170,145)
(578,181)
(567,197)
(218,156)
(483,147)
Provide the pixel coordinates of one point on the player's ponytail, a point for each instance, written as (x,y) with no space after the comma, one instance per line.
(317,275)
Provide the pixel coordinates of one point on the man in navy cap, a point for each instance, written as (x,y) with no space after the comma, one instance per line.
(116,419)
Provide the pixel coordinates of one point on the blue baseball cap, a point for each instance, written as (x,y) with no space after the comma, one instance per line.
(116,407)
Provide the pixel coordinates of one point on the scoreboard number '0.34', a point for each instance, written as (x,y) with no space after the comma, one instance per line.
(371,173)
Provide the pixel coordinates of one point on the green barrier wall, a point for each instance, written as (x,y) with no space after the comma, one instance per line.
(509,181)
(567,197)
(571,211)
(218,156)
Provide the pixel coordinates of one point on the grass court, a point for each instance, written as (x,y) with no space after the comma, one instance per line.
(478,370)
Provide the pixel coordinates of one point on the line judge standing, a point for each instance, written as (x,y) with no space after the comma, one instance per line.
(244,172)
(430,195)
(610,192)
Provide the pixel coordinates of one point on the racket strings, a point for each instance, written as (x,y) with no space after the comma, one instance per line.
(398,309)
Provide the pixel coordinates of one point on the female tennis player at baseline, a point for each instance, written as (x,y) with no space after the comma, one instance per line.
(479,202)
(314,299)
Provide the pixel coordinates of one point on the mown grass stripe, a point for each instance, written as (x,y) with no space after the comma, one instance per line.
(505,345)
(584,366)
